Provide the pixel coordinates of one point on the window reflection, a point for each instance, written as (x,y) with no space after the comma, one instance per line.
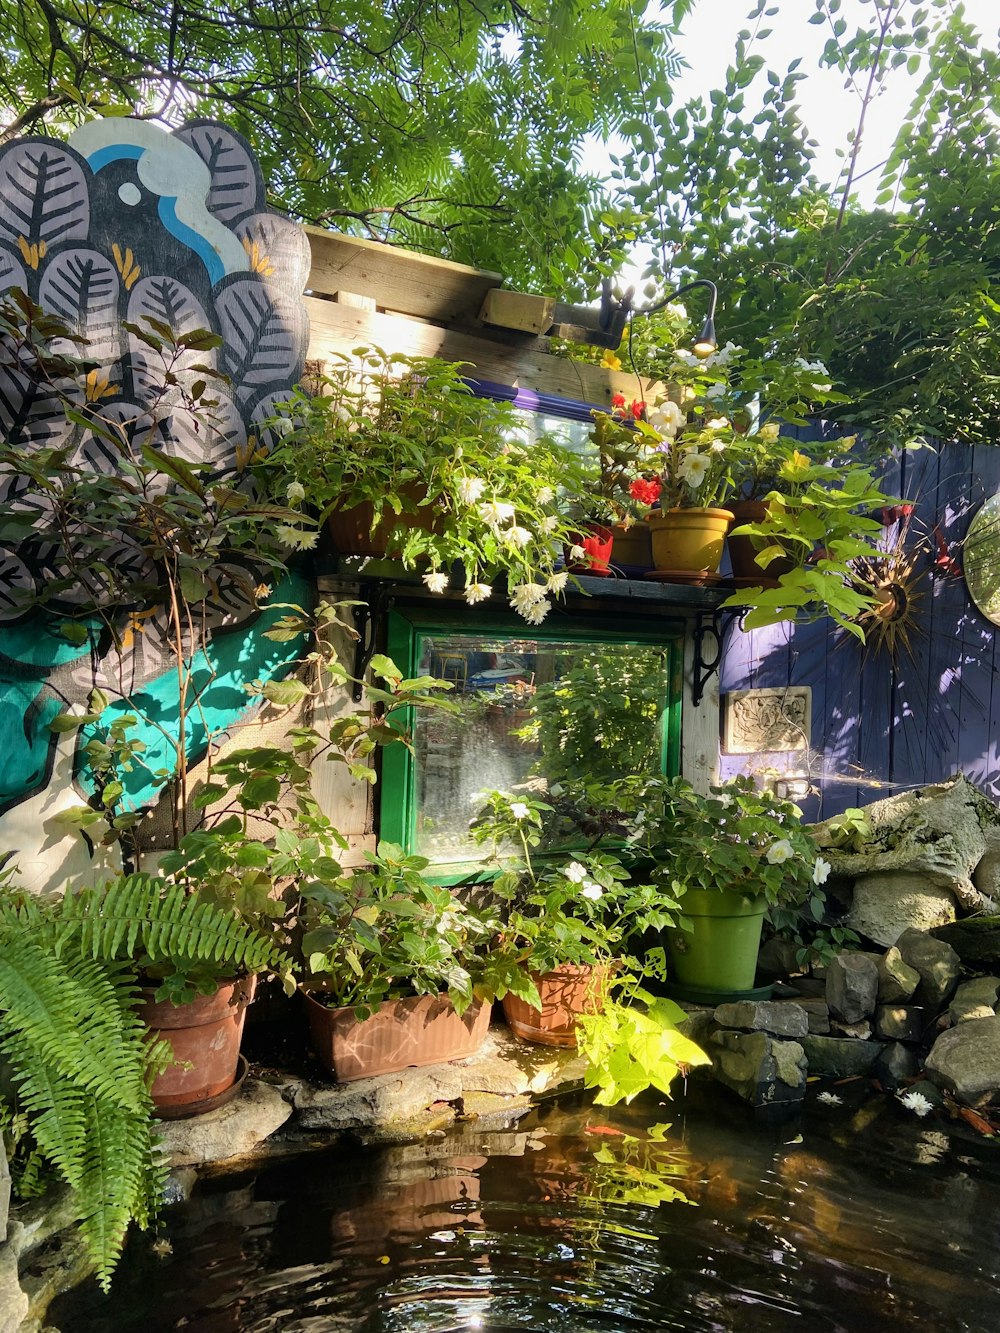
(532,713)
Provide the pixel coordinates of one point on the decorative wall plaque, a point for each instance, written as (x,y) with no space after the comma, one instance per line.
(767,720)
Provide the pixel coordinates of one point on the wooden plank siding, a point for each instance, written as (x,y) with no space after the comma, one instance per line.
(884,723)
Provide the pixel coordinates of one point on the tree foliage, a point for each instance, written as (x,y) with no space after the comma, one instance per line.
(448,127)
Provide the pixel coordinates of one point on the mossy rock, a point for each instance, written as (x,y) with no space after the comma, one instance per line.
(976,940)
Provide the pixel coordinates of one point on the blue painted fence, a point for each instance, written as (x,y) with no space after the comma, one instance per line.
(878,723)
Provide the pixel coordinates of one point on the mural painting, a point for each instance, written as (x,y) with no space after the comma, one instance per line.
(133,237)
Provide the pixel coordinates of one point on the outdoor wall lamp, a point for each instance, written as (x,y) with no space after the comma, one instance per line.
(577,322)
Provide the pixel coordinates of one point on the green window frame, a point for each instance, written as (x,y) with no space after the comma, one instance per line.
(408,626)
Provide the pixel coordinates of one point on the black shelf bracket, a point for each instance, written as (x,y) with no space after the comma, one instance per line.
(709,635)
(367,614)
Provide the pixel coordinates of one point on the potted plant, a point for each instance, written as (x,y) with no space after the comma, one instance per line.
(727,856)
(399,451)
(602,499)
(391,963)
(568,916)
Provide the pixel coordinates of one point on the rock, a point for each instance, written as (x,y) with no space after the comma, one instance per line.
(900,1022)
(937,963)
(986,876)
(974,999)
(698,1025)
(889,902)
(929,1091)
(13,1301)
(179,1185)
(233,1130)
(492,1074)
(369,1103)
(896,1063)
(897,981)
(966,1060)
(940,830)
(817,1014)
(975,940)
(777,958)
(862,1030)
(840,1057)
(852,986)
(762,1070)
(779,1018)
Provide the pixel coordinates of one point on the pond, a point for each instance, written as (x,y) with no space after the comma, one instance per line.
(687,1216)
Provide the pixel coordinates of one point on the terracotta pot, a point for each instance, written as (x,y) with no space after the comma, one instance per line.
(743,549)
(420,1030)
(350,529)
(205,1035)
(689,540)
(598,542)
(633,549)
(566,992)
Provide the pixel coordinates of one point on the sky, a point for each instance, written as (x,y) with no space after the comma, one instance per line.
(829,110)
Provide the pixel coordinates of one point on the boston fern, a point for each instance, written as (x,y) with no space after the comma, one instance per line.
(79,1058)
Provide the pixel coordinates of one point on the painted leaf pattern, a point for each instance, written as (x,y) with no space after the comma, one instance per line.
(43,194)
(236,183)
(264,335)
(278,249)
(82,287)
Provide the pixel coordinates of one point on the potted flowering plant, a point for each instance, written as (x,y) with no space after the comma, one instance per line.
(402,459)
(392,964)
(727,856)
(568,918)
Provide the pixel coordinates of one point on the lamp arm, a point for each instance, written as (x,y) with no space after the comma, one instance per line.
(687,287)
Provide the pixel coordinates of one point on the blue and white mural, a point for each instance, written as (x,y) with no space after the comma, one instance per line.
(130,222)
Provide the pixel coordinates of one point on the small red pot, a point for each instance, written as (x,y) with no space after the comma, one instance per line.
(598,542)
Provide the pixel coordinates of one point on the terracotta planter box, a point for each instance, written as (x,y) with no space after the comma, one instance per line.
(205,1036)
(420,1030)
(566,993)
(350,529)
(743,549)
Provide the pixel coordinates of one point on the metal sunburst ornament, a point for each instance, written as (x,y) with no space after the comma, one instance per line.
(895,575)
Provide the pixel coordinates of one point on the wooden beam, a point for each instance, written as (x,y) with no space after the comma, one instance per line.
(518,310)
(398,280)
(523,363)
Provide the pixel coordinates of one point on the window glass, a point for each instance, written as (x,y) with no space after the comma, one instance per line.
(532,712)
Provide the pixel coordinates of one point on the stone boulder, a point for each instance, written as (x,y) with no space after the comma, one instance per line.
(852,986)
(986,876)
(233,1130)
(938,831)
(891,901)
(780,1018)
(897,981)
(966,1061)
(974,999)
(975,940)
(768,1073)
(840,1057)
(938,964)
(896,1064)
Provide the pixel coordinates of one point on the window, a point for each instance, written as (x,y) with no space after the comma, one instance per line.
(578,694)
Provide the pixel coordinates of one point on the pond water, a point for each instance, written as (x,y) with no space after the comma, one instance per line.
(581,1220)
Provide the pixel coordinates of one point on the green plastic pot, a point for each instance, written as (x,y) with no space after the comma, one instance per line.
(719,952)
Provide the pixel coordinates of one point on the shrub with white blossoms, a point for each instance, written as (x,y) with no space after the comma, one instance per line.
(449,476)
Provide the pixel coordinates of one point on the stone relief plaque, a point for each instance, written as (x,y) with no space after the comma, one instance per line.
(766,720)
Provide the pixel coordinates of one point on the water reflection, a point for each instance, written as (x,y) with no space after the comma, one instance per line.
(580,1220)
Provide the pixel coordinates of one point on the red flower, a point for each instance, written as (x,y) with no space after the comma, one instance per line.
(637,409)
(617,403)
(646,492)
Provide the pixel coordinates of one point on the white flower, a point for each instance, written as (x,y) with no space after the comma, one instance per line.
(477,592)
(495,512)
(548,524)
(470,489)
(575,872)
(716,391)
(725,800)
(917,1103)
(677,309)
(296,538)
(519,536)
(693,469)
(536,613)
(576,552)
(667,418)
(524,595)
(687,358)
(821,871)
(436,581)
(591,890)
(519,810)
(557,582)
(779,852)
(830,1099)
(545,495)
(717,447)
(717,423)
(295,493)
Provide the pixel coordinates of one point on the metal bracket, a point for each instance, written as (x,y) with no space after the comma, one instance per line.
(711,626)
(367,614)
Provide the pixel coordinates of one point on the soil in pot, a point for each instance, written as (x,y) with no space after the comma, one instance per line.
(205,1035)
(418,1030)
(566,993)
